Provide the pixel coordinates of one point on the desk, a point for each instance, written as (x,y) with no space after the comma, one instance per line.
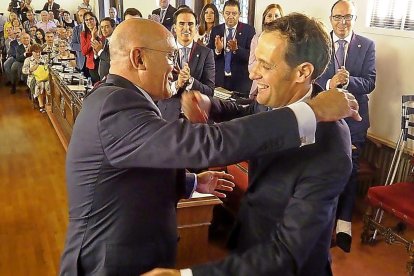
(193,215)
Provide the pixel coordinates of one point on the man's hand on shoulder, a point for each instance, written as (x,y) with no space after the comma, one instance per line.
(333,105)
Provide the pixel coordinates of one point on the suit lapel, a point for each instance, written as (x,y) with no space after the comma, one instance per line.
(353,52)
(194,57)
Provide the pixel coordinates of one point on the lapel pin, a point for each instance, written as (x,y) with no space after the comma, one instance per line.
(239,33)
(198,55)
(359,45)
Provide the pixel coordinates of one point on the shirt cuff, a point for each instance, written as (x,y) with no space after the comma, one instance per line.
(173,88)
(306,122)
(328,82)
(217,53)
(100,52)
(190,85)
(191,184)
(186,272)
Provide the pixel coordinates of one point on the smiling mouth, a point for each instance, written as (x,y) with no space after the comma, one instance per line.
(262,86)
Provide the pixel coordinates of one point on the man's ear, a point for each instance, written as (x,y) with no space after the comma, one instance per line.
(136,59)
(304,71)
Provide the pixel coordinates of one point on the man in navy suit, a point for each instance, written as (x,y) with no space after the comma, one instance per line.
(75,43)
(101,49)
(352,67)
(285,220)
(165,13)
(231,44)
(125,164)
(196,64)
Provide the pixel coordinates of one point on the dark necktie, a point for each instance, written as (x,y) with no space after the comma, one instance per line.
(227,54)
(340,54)
(162,14)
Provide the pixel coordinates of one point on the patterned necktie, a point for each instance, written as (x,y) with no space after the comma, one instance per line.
(184,58)
(228,54)
(340,54)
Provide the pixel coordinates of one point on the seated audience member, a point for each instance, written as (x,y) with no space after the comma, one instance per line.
(75,43)
(30,22)
(85,5)
(68,21)
(132,13)
(271,13)
(49,48)
(61,34)
(50,5)
(90,33)
(286,216)
(231,44)
(3,21)
(196,64)
(10,37)
(164,14)
(21,55)
(45,24)
(64,55)
(32,32)
(12,16)
(11,53)
(53,19)
(209,17)
(17,24)
(101,49)
(14,6)
(26,6)
(37,88)
(113,14)
(69,34)
(40,37)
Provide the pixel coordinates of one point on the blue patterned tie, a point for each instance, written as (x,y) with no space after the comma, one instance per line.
(228,54)
(340,54)
(184,59)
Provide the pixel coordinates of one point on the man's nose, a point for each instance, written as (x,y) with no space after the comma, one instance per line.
(254,74)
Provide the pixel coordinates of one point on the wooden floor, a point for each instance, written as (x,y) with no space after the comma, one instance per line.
(33,207)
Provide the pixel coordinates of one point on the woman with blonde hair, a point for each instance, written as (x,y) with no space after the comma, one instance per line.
(209,17)
(271,13)
(30,65)
(12,16)
(64,55)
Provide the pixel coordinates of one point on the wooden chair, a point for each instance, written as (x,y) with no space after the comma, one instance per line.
(394,198)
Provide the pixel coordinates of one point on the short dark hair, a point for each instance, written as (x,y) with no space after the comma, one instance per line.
(232,3)
(184,10)
(307,41)
(133,12)
(110,20)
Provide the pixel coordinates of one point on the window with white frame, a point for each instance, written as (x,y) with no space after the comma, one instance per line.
(392,14)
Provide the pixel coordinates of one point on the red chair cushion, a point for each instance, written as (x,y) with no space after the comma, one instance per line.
(396,199)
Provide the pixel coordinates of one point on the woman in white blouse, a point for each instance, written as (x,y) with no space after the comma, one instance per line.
(38,88)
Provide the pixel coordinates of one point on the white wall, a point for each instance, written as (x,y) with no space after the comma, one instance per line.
(394,59)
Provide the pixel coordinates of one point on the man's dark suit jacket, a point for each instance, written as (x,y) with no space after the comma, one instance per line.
(55,9)
(20,53)
(202,70)
(13,48)
(168,17)
(104,61)
(360,63)
(286,217)
(239,80)
(124,170)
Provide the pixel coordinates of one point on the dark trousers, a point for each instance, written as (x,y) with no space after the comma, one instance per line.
(347,198)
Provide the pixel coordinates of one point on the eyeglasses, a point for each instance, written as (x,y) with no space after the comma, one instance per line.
(172,56)
(347,17)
